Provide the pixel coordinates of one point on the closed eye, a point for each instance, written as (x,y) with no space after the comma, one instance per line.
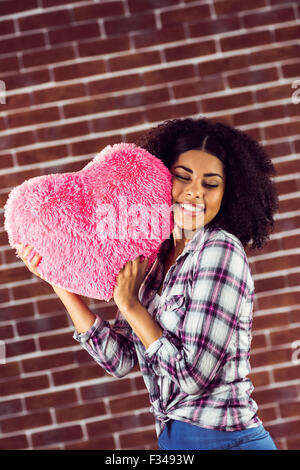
(204,184)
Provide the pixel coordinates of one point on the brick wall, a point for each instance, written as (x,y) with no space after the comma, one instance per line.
(82,74)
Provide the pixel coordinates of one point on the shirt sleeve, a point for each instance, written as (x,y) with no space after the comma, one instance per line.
(193,356)
(111,347)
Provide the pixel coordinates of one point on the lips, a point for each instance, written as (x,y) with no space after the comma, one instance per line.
(192,209)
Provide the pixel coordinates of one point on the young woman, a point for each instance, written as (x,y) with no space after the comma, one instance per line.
(187,319)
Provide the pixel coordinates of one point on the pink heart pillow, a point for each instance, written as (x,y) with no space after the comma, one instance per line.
(87,224)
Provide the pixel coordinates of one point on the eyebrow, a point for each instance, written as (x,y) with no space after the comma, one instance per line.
(191,171)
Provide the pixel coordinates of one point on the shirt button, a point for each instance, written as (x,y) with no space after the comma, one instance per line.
(178,357)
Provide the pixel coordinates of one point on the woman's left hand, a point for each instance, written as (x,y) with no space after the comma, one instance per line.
(129,281)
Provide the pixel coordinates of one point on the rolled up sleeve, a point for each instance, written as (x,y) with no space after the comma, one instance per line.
(111,347)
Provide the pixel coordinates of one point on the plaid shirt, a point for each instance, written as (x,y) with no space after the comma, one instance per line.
(197,370)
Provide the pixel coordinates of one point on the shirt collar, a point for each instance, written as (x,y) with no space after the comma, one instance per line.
(194,244)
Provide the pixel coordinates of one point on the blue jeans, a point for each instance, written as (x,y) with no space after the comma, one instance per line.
(178,435)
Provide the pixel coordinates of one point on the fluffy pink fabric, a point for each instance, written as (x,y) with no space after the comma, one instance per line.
(86,225)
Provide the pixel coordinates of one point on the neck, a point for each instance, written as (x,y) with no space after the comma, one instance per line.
(181,238)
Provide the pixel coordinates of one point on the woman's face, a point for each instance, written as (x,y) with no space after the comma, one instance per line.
(198,180)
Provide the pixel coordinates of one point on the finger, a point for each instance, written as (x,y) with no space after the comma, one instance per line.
(35,261)
(27,250)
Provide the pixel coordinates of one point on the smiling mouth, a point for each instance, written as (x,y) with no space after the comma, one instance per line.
(192,209)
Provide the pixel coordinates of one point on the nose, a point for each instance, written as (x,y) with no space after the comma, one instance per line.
(195,191)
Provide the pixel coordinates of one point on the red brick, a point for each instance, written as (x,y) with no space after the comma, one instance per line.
(287,34)
(117,122)
(129,403)
(171,111)
(47,362)
(49,56)
(62,131)
(197,49)
(42,155)
(78,412)
(19,43)
(273,93)
(116,424)
(24,385)
(282,130)
(144,5)
(74,33)
(143,98)
(19,347)
(218,66)
(267,413)
(53,400)
(20,100)
(45,20)
(162,36)
(9,63)
(286,168)
(137,440)
(275,394)
(18,442)
(226,102)
(10,141)
(62,340)
(27,421)
(104,443)
(259,341)
(169,74)
(285,336)
(260,378)
(91,370)
(104,46)
(125,25)
(11,369)
(38,325)
(10,407)
(199,87)
(267,358)
(290,409)
(53,436)
(258,115)
(273,320)
(252,20)
(90,106)
(275,54)
(228,6)
(98,11)
(290,242)
(183,15)
(51,3)
(252,77)
(27,79)
(14,6)
(288,373)
(93,146)
(7,27)
(84,69)
(248,40)
(212,26)
(32,290)
(113,386)
(56,93)
(108,85)
(33,117)
(129,61)
(6,331)
(284,429)
(289,205)
(290,70)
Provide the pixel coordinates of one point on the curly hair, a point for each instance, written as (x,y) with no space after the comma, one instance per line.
(250,200)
